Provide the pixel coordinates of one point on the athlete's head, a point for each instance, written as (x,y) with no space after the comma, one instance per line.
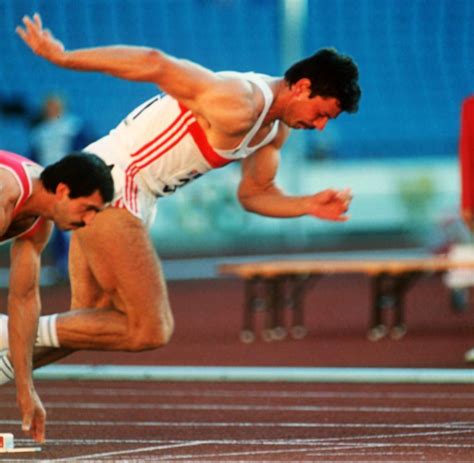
(82,185)
(331,75)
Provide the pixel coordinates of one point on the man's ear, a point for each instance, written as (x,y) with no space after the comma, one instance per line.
(301,87)
(62,190)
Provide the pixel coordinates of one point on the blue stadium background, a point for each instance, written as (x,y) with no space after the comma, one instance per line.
(416,67)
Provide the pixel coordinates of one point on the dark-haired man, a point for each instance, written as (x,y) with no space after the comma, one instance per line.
(69,193)
(204,120)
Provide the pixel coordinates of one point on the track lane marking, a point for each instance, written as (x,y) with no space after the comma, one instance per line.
(467,426)
(250,407)
(128,452)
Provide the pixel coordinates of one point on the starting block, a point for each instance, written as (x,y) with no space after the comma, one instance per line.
(7,445)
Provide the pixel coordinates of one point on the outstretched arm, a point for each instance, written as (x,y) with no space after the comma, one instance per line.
(180,78)
(24,309)
(258,192)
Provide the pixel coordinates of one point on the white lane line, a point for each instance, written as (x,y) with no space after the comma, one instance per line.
(250,407)
(71,442)
(230,424)
(308,452)
(130,451)
(73,391)
(341,450)
(220,455)
(366,453)
(329,445)
(308,461)
(346,440)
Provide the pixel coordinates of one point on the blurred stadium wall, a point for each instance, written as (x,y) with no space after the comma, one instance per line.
(398,153)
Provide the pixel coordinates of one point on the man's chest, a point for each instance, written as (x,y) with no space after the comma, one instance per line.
(17,227)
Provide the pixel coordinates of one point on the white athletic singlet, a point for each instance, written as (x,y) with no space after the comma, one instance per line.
(160,147)
(18,166)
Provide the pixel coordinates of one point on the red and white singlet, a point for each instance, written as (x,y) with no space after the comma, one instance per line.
(160,147)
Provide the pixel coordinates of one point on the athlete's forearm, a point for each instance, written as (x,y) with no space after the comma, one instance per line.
(22,329)
(326,205)
(24,306)
(274,203)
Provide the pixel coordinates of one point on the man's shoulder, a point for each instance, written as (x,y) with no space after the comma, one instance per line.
(10,189)
(16,174)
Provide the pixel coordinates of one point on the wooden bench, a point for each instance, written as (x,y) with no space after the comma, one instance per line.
(272,285)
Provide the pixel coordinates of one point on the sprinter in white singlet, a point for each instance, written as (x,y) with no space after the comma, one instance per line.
(160,147)
(204,121)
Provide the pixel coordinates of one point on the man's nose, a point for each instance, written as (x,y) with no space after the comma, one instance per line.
(320,123)
(89,217)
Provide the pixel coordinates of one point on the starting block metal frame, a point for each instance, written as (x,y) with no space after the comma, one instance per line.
(273,286)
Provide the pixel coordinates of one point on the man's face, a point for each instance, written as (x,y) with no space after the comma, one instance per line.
(303,112)
(70,214)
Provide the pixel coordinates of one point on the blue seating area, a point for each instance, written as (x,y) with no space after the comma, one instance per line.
(221,35)
(416,67)
(415,60)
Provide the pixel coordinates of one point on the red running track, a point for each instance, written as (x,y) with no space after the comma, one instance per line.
(251,422)
(260,422)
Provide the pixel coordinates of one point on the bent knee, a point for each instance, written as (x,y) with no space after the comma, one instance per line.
(150,338)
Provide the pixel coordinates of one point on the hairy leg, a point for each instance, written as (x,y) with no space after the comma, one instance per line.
(131,309)
(86,292)
(119,296)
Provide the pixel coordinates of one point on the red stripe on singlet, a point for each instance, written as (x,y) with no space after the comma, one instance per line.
(33,229)
(134,168)
(177,134)
(160,135)
(213,158)
(174,133)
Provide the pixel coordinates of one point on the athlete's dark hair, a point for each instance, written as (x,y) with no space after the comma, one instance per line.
(331,75)
(84,173)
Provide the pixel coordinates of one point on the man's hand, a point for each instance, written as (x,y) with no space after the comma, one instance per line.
(330,204)
(40,40)
(33,415)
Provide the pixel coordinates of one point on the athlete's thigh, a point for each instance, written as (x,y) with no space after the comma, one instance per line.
(85,289)
(123,261)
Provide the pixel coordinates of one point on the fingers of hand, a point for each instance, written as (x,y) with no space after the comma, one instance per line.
(345,197)
(26,426)
(21,32)
(26,422)
(37,20)
(38,429)
(34,425)
(334,211)
(26,32)
(33,27)
(30,25)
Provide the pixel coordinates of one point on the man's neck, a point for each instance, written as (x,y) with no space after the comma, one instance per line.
(38,204)
(279,88)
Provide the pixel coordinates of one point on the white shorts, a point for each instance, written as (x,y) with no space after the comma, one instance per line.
(130,193)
